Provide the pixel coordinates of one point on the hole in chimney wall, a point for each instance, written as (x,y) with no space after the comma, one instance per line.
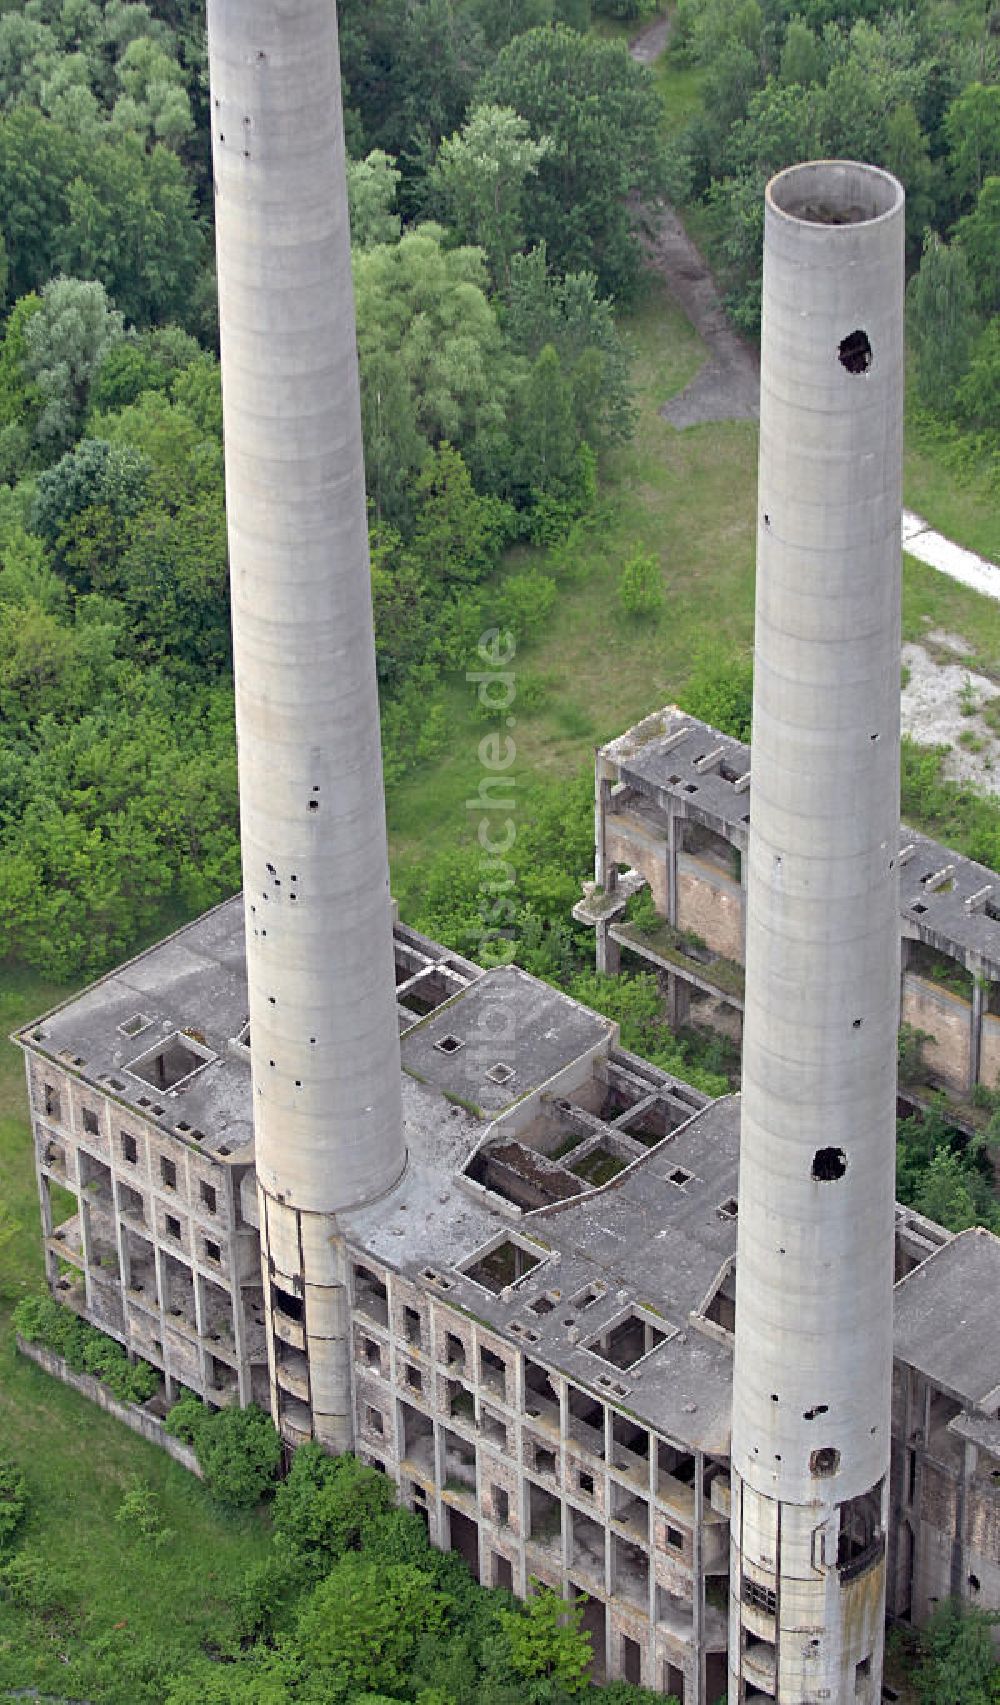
(857,1023)
(824,1461)
(855,352)
(829,1165)
(818,1409)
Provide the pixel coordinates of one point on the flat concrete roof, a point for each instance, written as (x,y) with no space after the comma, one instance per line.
(672,755)
(946,1320)
(508,1024)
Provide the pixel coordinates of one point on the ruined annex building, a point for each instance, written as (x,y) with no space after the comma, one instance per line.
(603,1332)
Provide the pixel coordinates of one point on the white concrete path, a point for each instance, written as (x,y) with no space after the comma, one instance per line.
(921,541)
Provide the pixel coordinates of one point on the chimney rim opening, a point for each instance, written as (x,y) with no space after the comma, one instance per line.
(834,194)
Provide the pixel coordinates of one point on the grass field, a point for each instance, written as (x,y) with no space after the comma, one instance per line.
(116,1601)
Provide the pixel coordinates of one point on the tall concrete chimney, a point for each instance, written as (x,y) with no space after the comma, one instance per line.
(324,1043)
(813,1362)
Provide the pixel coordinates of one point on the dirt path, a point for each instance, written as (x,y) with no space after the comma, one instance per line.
(728,386)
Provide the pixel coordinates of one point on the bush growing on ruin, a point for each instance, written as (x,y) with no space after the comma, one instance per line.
(13,1502)
(325,1502)
(240,1453)
(40,1320)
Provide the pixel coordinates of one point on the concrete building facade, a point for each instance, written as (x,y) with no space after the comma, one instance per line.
(542,1309)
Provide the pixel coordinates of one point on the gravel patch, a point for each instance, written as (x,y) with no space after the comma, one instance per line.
(942,704)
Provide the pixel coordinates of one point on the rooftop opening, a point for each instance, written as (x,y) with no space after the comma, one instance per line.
(171,1062)
(504,1263)
(133,1025)
(449,1044)
(626,1342)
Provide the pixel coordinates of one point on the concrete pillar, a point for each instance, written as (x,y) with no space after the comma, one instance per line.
(323,1029)
(609,954)
(979,988)
(813,1355)
(678,1001)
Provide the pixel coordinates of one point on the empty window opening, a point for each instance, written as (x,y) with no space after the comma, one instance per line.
(500,1501)
(630,1571)
(631,1661)
(168,1172)
(506,1263)
(372,1353)
(52,1104)
(545,1460)
(213,1251)
(855,352)
(287,1304)
(586,1421)
(171,1062)
(414,1378)
(463,1536)
(541,1400)
(630,1511)
(587,1544)
(503,1572)
(417,1443)
(629,1446)
(173,1227)
(493,1428)
(628,1341)
(461,1404)
(459,1463)
(817,1409)
(449,1045)
(759,1597)
(374,1420)
(544,1517)
(91,1122)
(861,1539)
(208,1196)
(975,1583)
(585,1483)
(829,1165)
(862,1676)
(130,1149)
(493,1373)
(752,1693)
(130,1202)
(411,1327)
(673,1682)
(454,1352)
(370,1294)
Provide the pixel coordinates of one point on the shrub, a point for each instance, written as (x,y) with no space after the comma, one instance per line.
(139,1514)
(239,1452)
(13,1501)
(187,1418)
(40,1320)
(640,586)
(322,1507)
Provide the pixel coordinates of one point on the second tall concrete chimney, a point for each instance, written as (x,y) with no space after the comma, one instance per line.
(323,1029)
(815,1267)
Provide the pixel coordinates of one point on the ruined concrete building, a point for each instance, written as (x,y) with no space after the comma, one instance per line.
(299,1155)
(541,1311)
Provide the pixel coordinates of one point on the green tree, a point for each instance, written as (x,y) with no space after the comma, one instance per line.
(322,1506)
(600,113)
(941,322)
(800,56)
(978,394)
(360,1628)
(96,476)
(64,344)
(960,1666)
(153,102)
(13,1502)
(568,314)
(240,1453)
(457,536)
(546,1646)
(481,174)
(371,193)
(433,362)
(972,129)
(979,235)
(944,1194)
